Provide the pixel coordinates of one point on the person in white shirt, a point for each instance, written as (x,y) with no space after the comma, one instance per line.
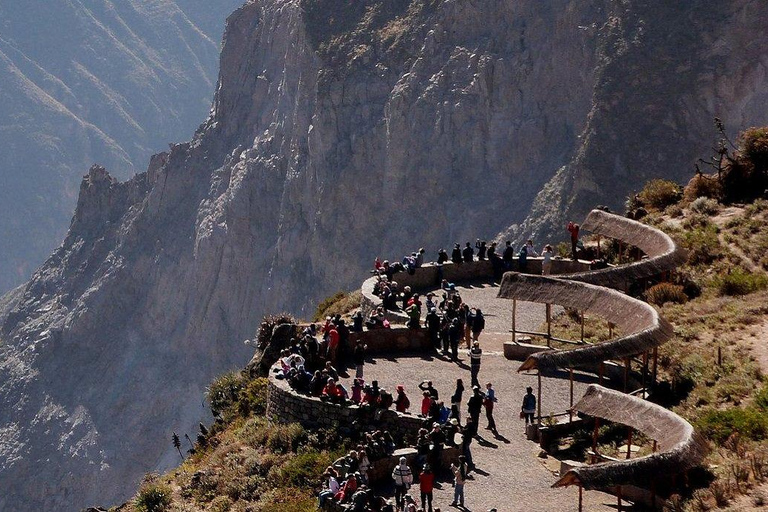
(403,478)
(332,486)
(546,265)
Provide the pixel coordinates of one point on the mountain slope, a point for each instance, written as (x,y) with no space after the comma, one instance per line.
(91,81)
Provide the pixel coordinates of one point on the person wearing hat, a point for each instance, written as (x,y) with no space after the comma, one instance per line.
(456,256)
(426,486)
(403,479)
(437,437)
(468,253)
(330,488)
(475,354)
(451,429)
(475,404)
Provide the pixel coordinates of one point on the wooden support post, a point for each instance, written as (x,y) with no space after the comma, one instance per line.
(570,408)
(594,440)
(627,364)
(645,371)
(655,365)
(598,246)
(549,325)
(581,500)
(538,402)
(654,446)
(514,314)
(621,250)
(719,355)
(618,495)
(610,330)
(629,443)
(602,371)
(582,326)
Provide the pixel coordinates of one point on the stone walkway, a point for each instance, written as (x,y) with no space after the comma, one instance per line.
(511,476)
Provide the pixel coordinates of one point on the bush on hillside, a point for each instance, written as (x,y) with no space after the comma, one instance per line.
(224,392)
(705,206)
(702,245)
(658,194)
(703,185)
(745,178)
(740,282)
(662,293)
(338,304)
(153,497)
(719,425)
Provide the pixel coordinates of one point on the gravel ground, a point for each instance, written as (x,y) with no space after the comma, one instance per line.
(511,476)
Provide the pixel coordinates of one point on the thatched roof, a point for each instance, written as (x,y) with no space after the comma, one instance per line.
(663,254)
(679,447)
(643,327)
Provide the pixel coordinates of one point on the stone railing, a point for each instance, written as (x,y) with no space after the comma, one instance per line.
(430,275)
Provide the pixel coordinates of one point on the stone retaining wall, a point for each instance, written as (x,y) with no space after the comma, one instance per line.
(400,340)
(285,405)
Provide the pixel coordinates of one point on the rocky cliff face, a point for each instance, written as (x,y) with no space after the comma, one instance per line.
(664,73)
(339,131)
(92,81)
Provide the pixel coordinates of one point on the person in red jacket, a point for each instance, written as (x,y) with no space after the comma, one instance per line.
(333,344)
(573,229)
(425,403)
(426,484)
(402,403)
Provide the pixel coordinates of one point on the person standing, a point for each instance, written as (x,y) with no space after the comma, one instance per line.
(522,259)
(529,405)
(474,362)
(403,479)
(481,249)
(488,402)
(456,256)
(432,323)
(478,324)
(532,253)
(459,477)
(426,486)
(458,394)
(465,322)
(468,253)
(401,403)
(358,357)
(508,255)
(467,434)
(454,335)
(546,264)
(475,405)
(573,229)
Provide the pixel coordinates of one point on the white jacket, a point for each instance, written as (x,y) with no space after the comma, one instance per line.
(402,475)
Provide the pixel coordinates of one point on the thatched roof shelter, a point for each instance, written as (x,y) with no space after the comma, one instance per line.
(679,447)
(641,324)
(663,254)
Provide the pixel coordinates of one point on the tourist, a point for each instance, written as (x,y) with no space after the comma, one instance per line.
(357,390)
(422,447)
(475,405)
(456,256)
(445,413)
(403,479)
(454,335)
(475,354)
(467,434)
(492,251)
(442,256)
(363,463)
(360,500)
(426,385)
(414,316)
(426,486)
(432,323)
(425,403)
(546,264)
(468,253)
(508,255)
(522,259)
(330,486)
(437,438)
(333,345)
(343,351)
(490,400)
(573,229)
(459,477)
(530,249)
(459,393)
(420,257)
(478,324)
(465,321)
(401,403)
(431,304)
(358,358)
(331,371)
(529,405)
(410,504)
(434,410)
(481,249)
(451,429)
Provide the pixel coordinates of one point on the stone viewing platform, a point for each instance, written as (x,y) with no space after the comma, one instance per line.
(509,470)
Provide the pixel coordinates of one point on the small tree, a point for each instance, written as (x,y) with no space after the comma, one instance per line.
(177,444)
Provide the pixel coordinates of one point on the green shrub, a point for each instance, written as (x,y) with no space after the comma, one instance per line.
(705,206)
(253,397)
(666,292)
(303,469)
(754,147)
(153,497)
(719,425)
(658,194)
(702,245)
(740,282)
(338,304)
(224,392)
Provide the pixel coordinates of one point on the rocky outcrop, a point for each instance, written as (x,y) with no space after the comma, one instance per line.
(339,131)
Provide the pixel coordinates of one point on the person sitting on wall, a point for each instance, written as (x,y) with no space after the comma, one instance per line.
(414,316)
(317,384)
(420,257)
(442,256)
(456,256)
(331,371)
(357,390)
(406,296)
(332,393)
